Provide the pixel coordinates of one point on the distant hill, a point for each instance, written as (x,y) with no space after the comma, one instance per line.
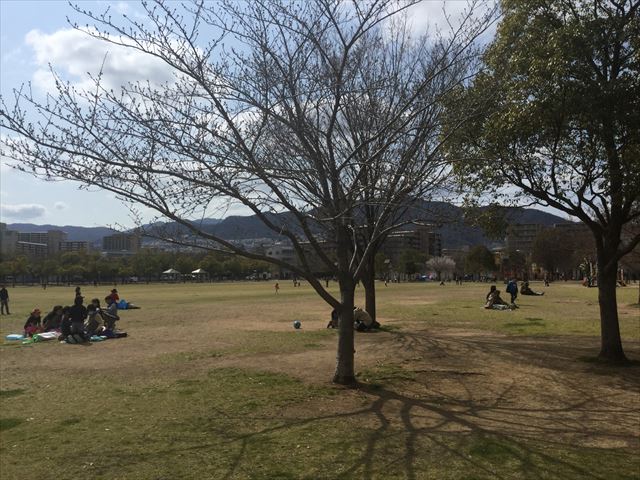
(449,218)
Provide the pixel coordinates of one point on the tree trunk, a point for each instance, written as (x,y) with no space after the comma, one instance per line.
(345,365)
(345,370)
(370,296)
(369,283)
(611,343)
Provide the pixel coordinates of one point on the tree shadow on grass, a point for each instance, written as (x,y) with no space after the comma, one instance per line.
(562,354)
(454,409)
(571,419)
(522,436)
(577,430)
(478,439)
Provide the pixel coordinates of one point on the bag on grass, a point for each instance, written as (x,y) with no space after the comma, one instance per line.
(76,338)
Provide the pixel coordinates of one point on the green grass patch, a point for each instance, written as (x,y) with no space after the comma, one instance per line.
(491,456)
(7,423)
(256,343)
(185,357)
(11,393)
(235,413)
(384,374)
(284,342)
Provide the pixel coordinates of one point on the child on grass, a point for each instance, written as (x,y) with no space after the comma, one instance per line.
(33,324)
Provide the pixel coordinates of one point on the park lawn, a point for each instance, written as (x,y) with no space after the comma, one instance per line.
(213,382)
(565,309)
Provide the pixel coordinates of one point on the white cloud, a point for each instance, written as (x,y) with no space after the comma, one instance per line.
(445,15)
(433,14)
(121,7)
(73,53)
(7,170)
(25,211)
(60,206)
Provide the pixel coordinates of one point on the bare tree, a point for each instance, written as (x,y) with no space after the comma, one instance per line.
(308,114)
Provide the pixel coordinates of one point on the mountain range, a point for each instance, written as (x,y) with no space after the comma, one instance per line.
(456,231)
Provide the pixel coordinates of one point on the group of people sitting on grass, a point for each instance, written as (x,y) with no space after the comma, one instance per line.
(77,323)
(362,321)
(494,301)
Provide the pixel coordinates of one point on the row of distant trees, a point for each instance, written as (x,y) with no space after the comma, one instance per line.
(146,265)
(556,252)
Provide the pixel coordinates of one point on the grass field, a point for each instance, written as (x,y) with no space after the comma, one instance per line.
(214,382)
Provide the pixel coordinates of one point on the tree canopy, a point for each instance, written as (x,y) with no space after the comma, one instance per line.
(480,260)
(557,116)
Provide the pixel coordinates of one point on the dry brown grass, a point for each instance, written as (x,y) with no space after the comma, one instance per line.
(449,391)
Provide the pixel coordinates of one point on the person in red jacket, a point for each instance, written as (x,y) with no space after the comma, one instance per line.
(114,296)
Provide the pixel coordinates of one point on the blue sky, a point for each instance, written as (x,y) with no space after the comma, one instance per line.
(35,34)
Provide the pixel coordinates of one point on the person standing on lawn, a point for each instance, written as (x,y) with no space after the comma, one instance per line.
(512,289)
(4,300)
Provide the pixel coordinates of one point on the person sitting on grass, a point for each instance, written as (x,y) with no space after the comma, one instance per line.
(95,323)
(52,320)
(114,295)
(65,323)
(495,302)
(78,314)
(335,319)
(110,315)
(362,321)
(525,290)
(33,324)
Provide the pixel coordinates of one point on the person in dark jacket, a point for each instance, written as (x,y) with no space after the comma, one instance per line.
(65,323)
(78,314)
(335,319)
(526,290)
(53,319)
(512,289)
(4,300)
